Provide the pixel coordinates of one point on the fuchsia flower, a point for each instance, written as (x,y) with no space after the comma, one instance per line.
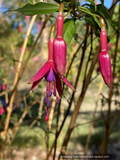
(39,26)
(4,87)
(104,58)
(20,28)
(27,19)
(60,47)
(52,77)
(1,110)
(35,59)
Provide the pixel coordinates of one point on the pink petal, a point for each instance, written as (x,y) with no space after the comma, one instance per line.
(35,84)
(40,74)
(68,84)
(59,86)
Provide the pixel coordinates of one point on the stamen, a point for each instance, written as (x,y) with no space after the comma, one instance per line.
(57,99)
(47,115)
(48,103)
(46,100)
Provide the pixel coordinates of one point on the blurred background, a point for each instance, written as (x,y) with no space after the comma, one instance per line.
(29,137)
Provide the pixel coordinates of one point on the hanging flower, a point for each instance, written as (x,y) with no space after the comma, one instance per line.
(1,110)
(20,29)
(4,87)
(39,26)
(104,58)
(35,59)
(52,77)
(60,47)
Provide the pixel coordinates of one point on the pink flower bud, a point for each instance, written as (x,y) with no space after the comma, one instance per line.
(20,28)
(35,59)
(3,87)
(105,67)
(60,48)
(1,110)
(104,58)
(39,26)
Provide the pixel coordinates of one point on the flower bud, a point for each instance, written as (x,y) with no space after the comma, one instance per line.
(60,46)
(105,67)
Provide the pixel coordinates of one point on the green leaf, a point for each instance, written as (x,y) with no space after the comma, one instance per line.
(38,8)
(92,21)
(102,1)
(93,3)
(65,1)
(103,12)
(69,29)
(14,60)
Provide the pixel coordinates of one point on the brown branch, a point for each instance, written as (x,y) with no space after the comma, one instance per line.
(111,91)
(9,109)
(20,71)
(72,97)
(76,110)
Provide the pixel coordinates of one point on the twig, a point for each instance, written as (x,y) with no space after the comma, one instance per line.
(72,97)
(92,124)
(9,110)
(111,91)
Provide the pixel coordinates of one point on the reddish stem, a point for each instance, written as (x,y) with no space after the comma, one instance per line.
(50,46)
(60,26)
(103,39)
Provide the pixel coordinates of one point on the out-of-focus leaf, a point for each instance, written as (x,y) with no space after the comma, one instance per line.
(90,20)
(93,3)
(69,29)
(38,8)
(103,12)
(102,1)
(14,60)
(60,1)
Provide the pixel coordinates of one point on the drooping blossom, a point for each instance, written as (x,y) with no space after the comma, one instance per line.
(39,26)
(27,19)
(1,110)
(53,80)
(20,29)
(35,59)
(104,58)
(60,47)
(4,87)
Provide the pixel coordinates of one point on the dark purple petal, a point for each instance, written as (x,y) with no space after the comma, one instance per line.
(50,93)
(50,75)
(46,100)
(48,103)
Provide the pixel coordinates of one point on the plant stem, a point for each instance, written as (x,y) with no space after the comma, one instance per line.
(9,109)
(111,91)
